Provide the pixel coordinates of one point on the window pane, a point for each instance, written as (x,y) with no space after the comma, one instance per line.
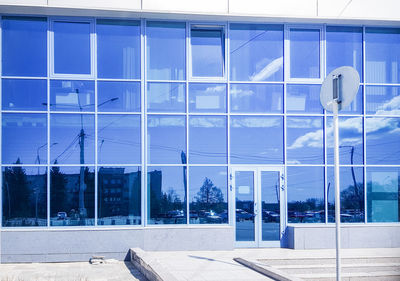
(252,141)
(303,99)
(119,198)
(383,194)
(305,192)
(207,98)
(382,54)
(167,195)
(24,138)
(344,47)
(166,139)
(304,53)
(208,195)
(166,97)
(351,135)
(256,98)
(383,138)
(24,196)
(66,95)
(256,52)
(305,140)
(166,53)
(24,46)
(23,94)
(208,52)
(383,100)
(351,194)
(355,107)
(118,96)
(71,196)
(118,49)
(118,139)
(72,138)
(208,140)
(71,47)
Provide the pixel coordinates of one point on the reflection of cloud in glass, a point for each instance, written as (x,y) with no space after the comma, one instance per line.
(207,122)
(312,139)
(255,122)
(215,89)
(237,92)
(268,70)
(391,107)
(164,121)
(351,130)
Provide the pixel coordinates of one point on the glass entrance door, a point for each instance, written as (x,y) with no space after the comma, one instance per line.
(258,206)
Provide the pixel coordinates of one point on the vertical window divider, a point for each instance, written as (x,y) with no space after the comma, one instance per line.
(94,71)
(230,193)
(286,69)
(324,73)
(364,130)
(1,131)
(143,102)
(187,121)
(49,61)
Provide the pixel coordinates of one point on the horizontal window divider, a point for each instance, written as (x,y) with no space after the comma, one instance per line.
(119,165)
(118,113)
(166,113)
(117,80)
(212,80)
(23,165)
(208,165)
(24,111)
(166,81)
(305,165)
(208,114)
(24,77)
(167,165)
(71,77)
(255,114)
(257,82)
(383,115)
(382,84)
(73,165)
(73,112)
(346,165)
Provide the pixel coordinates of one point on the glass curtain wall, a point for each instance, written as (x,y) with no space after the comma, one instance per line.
(127,122)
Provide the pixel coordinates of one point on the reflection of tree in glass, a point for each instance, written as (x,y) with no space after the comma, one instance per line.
(58,193)
(209,195)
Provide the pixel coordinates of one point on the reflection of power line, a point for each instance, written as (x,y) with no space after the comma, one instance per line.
(248,41)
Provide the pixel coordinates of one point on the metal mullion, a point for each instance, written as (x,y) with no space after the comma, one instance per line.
(118,113)
(207,114)
(165,165)
(381,84)
(230,181)
(94,69)
(364,131)
(166,113)
(49,63)
(325,131)
(187,42)
(1,134)
(24,77)
(166,81)
(256,114)
(143,95)
(25,111)
(118,165)
(258,82)
(72,165)
(72,77)
(73,112)
(115,79)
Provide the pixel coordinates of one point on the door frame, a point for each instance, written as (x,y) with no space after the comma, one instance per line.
(258,243)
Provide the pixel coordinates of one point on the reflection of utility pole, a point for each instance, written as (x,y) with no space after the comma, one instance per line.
(356,191)
(183,159)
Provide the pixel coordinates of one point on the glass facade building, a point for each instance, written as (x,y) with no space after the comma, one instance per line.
(109,122)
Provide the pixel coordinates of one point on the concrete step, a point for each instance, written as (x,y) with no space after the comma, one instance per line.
(311,261)
(346,268)
(366,276)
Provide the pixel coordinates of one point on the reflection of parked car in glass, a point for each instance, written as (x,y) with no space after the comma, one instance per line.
(176,214)
(242,215)
(193,215)
(61,216)
(270,216)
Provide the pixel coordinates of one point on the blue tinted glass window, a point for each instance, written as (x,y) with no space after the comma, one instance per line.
(66,95)
(305,140)
(166,139)
(74,137)
(207,140)
(256,98)
(208,195)
(208,52)
(382,54)
(207,97)
(24,46)
(72,47)
(344,47)
(118,139)
(72,196)
(119,199)
(303,99)
(118,49)
(166,55)
(256,52)
(166,97)
(24,196)
(305,194)
(24,138)
(351,194)
(383,194)
(166,191)
(304,53)
(351,135)
(383,138)
(24,94)
(118,96)
(252,141)
(356,106)
(383,100)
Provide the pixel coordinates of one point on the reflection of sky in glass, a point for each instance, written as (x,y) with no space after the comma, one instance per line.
(166,43)
(208,52)
(382,54)
(350,140)
(71,47)
(68,95)
(65,130)
(25,138)
(305,140)
(304,53)
(118,49)
(256,52)
(119,139)
(118,96)
(166,139)
(207,97)
(24,94)
(256,98)
(344,47)
(24,46)
(207,140)
(166,97)
(256,140)
(383,100)
(303,99)
(383,139)
(351,199)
